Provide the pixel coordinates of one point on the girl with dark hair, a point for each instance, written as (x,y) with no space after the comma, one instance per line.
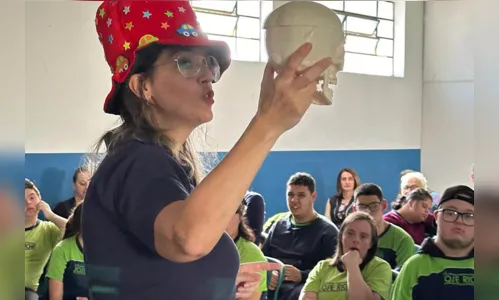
(354,272)
(66,271)
(339,205)
(412,213)
(249,252)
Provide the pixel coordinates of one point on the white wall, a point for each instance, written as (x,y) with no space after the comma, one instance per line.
(67,80)
(12,60)
(447,129)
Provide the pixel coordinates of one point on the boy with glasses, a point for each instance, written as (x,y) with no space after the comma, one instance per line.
(444,268)
(395,245)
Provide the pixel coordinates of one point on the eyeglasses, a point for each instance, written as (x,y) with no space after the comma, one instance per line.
(451,216)
(189,64)
(372,207)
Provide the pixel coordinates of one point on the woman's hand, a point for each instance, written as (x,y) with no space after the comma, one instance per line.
(285,98)
(249,278)
(351,259)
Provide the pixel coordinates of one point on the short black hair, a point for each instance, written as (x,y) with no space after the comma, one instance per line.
(369,189)
(303,179)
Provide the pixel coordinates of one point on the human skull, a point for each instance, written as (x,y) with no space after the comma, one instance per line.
(297,22)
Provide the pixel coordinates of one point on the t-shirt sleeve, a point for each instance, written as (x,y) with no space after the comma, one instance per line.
(402,287)
(57,264)
(379,279)
(152,182)
(406,250)
(54,233)
(313,283)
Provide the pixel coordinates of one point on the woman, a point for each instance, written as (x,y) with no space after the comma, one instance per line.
(412,213)
(151,228)
(81,178)
(355,272)
(66,271)
(244,239)
(411,180)
(340,205)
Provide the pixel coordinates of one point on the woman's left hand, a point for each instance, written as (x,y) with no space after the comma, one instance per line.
(249,278)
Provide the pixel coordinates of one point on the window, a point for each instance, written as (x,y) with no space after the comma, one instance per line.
(238,23)
(370,31)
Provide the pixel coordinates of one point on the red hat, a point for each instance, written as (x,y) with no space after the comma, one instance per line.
(125,26)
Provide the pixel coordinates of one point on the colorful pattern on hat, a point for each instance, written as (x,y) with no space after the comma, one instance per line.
(124,27)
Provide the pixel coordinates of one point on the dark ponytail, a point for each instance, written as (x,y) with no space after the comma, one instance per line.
(73,226)
(397,204)
(417,194)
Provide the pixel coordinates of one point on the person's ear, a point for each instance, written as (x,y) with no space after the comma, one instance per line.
(140,87)
(384,205)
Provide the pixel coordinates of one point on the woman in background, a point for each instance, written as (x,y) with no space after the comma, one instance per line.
(340,205)
(355,272)
(249,252)
(411,180)
(66,271)
(81,179)
(412,213)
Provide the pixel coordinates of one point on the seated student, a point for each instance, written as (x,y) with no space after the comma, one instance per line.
(255,213)
(355,272)
(301,239)
(249,252)
(412,213)
(40,237)
(81,179)
(66,271)
(444,268)
(395,245)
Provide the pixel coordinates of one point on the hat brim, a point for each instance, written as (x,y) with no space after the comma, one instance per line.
(220,50)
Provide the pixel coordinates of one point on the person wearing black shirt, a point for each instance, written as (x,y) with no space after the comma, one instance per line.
(340,204)
(81,179)
(300,239)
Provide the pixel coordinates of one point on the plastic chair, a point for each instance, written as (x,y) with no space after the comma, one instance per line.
(281,276)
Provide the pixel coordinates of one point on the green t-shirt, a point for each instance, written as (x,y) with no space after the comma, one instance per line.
(426,276)
(268,224)
(39,241)
(331,284)
(10,260)
(395,246)
(248,253)
(66,265)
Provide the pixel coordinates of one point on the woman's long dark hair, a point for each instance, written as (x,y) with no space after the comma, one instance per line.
(73,226)
(356,216)
(243,229)
(418,194)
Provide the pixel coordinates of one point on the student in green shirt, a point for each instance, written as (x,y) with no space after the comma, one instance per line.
(354,272)
(40,237)
(66,271)
(249,252)
(395,245)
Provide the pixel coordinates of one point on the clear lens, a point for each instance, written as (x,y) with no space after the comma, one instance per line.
(189,64)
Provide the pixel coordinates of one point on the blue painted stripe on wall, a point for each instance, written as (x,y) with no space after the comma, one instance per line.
(53,172)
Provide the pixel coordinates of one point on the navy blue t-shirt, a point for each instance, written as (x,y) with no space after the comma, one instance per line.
(125,195)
